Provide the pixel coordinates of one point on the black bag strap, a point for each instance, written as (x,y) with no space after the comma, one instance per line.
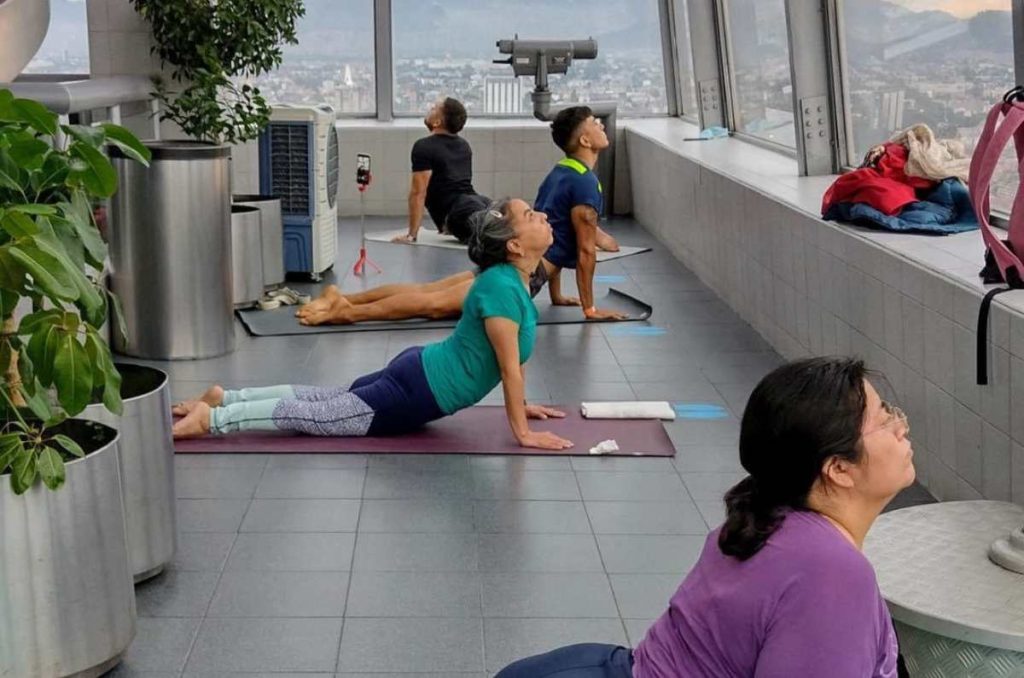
(983,312)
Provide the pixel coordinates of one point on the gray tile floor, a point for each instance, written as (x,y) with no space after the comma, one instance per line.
(387,566)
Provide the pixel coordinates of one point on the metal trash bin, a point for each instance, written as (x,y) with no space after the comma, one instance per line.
(246,259)
(170,251)
(271,235)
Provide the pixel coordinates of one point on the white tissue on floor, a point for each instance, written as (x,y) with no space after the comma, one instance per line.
(605,447)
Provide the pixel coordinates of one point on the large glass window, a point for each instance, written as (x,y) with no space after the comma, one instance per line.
(940,62)
(684,59)
(333,62)
(66,47)
(446,48)
(759,51)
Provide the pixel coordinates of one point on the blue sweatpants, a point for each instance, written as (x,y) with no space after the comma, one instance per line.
(391,401)
(588,660)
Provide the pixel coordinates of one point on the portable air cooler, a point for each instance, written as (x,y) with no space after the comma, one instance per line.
(299,165)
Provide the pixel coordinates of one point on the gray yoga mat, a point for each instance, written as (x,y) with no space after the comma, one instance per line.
(282,321)
(431,238)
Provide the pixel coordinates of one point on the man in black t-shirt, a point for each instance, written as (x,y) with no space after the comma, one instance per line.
(442,175)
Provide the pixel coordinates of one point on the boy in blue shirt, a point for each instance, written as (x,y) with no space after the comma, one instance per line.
(571,195)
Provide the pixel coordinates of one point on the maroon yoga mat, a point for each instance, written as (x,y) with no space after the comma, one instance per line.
(477,430)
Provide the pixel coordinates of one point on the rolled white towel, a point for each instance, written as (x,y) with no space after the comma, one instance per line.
(628,410)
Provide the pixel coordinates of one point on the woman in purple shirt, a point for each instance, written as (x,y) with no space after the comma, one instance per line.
(781,589)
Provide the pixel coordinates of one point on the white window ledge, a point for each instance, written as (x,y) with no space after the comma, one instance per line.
(957,257)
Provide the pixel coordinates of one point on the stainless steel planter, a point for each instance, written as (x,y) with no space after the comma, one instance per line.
(147,466)
(246,259)
(271,235)
(67,604)
(170,251)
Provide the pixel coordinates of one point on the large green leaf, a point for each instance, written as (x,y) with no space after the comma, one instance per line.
(25,367)
(53,174)
(12,274)
(118,313)
(29,153)
(42,349)
(7,106)
(51,468)
(36,116)
(72,375)
(8,300)
(79,213)
(10,447)
(23,472)
(127,142)
(72,448)
(10,173)
(33,322)
(105,374)
(44,210)
(87,134)
(52,274)
(98,175)
(18,224)
(36,399)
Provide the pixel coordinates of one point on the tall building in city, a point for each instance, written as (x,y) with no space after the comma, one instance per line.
(890,114)
(503,95)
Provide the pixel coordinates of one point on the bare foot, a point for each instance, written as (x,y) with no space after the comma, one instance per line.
(338,313)
(195,424)
(330,295)
(213,397)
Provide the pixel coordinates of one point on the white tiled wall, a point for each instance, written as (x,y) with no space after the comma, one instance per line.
(813,288)
(119,44)
(508,160)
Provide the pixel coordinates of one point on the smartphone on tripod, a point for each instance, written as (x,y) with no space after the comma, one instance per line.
(363,175)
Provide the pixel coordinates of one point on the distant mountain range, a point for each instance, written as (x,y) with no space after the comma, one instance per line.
(432,28)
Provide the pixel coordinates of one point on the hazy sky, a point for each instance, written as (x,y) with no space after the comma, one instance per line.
(961,8)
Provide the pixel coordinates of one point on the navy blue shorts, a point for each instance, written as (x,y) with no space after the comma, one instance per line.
(399,395)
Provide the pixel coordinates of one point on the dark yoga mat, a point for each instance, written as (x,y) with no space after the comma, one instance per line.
(282,321)
(477,430)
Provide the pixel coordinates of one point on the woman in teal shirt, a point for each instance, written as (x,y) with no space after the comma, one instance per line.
(491,343)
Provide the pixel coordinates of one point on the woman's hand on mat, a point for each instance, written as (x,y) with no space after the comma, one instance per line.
(565,301)
(542,412)
(544,440)
(599,314)
(407,238)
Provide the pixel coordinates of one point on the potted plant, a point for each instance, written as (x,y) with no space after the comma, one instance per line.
(69,605)
(181,205)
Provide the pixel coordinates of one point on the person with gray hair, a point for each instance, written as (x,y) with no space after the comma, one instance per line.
(490,345)
(433,300)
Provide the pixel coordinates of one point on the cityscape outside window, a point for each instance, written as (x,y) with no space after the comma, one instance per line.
(447,48)
(760,66)
(66,47)
(940,62)
(684,59)
(333,62)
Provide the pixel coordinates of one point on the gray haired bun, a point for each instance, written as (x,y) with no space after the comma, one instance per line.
(490,231)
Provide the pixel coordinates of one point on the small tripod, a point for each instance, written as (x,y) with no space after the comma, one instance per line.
(363,178)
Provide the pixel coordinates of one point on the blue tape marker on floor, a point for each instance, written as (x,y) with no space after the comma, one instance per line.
(609,279)
(637,331)
(700,411)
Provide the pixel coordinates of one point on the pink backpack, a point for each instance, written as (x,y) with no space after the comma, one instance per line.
(1002,257)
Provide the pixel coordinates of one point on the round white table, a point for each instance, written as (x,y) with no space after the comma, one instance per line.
(956,612)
